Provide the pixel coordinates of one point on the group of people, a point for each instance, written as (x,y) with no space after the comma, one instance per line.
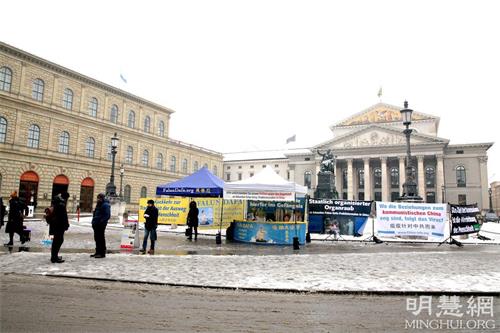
(57,218)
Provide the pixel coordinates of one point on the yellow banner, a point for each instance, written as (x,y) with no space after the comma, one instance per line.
(174,211)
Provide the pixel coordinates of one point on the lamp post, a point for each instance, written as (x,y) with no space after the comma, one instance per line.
(110,187)
(122,171)
(491,201)
(409,186)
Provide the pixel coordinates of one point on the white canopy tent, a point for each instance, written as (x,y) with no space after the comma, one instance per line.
(265,185)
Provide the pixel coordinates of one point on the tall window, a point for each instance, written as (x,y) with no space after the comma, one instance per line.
(93,106)
(131,119)
(5,78)
(215,170)
(462,199)
(126,193)
(161,128)
(430,176)
(361,178)
(394,177)
(344,178)
(64,142)
(68,99)
(159,161)
(147,124)
(90,147)
(205,165)
(461,181)
(3,129)
(113,116)
(37,90)
(144,192)
(307,179)
(195,166)
(184,165)
(377,175)
(228,177)
(33,136)
(173,162)
(145,158)
(129,157)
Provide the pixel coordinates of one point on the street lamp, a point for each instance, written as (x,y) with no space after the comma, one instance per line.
(110,187)
(122,171)
(409,186)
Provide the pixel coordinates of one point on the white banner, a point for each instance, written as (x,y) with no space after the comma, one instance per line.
(411,220)
(262,195)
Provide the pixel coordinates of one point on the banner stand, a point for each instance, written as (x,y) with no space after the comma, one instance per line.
(450,238)
(218,237)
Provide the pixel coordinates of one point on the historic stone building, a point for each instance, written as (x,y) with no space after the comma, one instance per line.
(370,150)
(55,135)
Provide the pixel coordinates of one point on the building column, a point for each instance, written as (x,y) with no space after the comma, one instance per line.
(421,177)
(338,178)
(368,178)
(350,180)
(385,188)
(439,178)
(483,169)
(402,173)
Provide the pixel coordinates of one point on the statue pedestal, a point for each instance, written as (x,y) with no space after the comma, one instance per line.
(117,209)
(326,186)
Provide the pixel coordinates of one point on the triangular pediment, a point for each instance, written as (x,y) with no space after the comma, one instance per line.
(381,113)
(377,136)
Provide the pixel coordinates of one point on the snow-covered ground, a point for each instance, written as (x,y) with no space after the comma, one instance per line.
(321,266)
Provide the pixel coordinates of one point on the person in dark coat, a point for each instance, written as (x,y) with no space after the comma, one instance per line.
(58,226)
(15,221)
(2,212)
(100,219)
(192,220)
(151,215)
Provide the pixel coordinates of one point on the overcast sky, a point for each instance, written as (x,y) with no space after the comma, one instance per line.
(244,75)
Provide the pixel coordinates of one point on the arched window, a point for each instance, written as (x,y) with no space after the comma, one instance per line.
(195,166)
(33,136)
(67,101)
(113,116)
(161,128)
(131,119)
(394,177)
(377,177)
(205,165)
(307,179)
(361,178)
(159,161)
(461,180)
(173,162)
(37,90)
(344,178)
(129,157)
(430,176)
(3,129)
(144,192)
(147,124)
(93,106)
(90,147)
(215,170)
(64,143)
(184,165)
(145,158)
(126,193)
(5,78)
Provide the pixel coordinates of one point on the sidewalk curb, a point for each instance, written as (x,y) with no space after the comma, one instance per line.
(280,290)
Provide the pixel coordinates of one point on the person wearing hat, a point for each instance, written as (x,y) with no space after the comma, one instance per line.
(151,216)
(58,226)
(100,219)
(15,219)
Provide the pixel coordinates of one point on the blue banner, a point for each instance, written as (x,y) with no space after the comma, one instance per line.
(269,233)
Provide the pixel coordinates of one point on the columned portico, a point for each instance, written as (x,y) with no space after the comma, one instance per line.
(350,180)
(385,183)
(421,176)
(368,178)
(439,178)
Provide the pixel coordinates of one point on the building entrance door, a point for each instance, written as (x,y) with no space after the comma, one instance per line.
(60,185)
(28,188)
(86,195)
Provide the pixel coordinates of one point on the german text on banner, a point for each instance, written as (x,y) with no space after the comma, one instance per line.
(464,219)
(411,220)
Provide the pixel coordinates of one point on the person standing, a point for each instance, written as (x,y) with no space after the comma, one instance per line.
(151,215)
(2,212)
(15,220)
(192,220)
(59,224)
(100,218)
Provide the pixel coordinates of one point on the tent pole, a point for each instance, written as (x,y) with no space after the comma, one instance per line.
(218,239)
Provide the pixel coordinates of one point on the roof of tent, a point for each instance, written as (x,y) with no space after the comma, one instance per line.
(202,183)
(265,181)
